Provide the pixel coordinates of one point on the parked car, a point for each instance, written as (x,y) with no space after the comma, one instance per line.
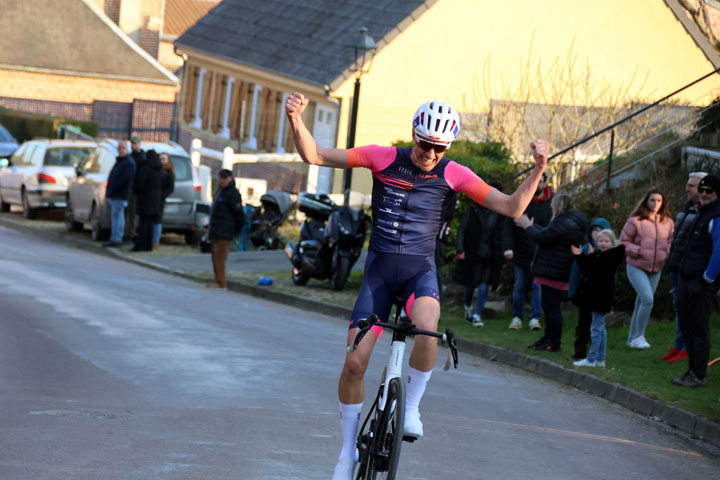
(38,174)
(85,199)
(86,194)
(8,145)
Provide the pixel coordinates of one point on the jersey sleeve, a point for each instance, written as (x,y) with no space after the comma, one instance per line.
(463,180)
(374,157)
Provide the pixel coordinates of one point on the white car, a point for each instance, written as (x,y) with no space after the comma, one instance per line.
(39,173)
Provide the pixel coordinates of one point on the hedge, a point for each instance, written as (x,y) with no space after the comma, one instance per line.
(26,126)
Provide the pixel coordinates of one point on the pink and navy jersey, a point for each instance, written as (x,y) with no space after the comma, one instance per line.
(407,203)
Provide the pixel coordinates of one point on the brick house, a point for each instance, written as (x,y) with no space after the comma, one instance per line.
(75,61)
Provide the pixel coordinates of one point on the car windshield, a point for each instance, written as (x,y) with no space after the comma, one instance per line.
(66,156)
(5,135)
(182,168)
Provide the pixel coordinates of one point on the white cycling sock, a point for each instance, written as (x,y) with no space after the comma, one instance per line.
(416,383)
(349,421)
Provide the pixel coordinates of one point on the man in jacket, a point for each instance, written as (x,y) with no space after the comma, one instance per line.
(519,247)
(699,281)
(226,220)
(139,157)
(118,192)
(683,224)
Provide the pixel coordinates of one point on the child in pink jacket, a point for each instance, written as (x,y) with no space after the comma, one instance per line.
(647,235)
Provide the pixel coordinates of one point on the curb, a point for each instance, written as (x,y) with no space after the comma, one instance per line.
(687,422)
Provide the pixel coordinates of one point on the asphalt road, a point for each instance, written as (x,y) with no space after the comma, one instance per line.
(112,371)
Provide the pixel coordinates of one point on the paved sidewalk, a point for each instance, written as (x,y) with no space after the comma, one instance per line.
(189,267)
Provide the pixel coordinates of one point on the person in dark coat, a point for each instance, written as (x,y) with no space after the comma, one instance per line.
(117,193)
(168,186)
(552,263)
(227,218)
(139,157)
(148,193)
(479,255)
(519,247)
(699,281)
(599,268)
(683,225)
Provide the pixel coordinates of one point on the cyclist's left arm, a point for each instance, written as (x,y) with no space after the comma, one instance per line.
(464,180)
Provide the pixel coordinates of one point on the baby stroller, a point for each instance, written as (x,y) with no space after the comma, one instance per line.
(276,206)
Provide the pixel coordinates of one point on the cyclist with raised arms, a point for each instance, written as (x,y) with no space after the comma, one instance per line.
(410,188)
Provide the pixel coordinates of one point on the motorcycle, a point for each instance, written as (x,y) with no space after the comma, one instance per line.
(326,250)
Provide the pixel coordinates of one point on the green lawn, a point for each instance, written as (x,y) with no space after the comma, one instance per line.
(640,370)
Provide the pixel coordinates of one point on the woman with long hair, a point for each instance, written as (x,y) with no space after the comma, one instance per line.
(552,263)
(647,235)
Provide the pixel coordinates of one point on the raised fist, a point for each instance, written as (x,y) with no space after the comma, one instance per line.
(540,151)
(295,104)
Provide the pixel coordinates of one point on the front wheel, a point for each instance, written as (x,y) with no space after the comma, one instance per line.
(70,223)
(96,231)
(298,277)
(341,272)
(386,433)
(27,211)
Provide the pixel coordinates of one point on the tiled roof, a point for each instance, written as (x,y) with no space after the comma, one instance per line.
(183,14)
(71,36)
(306,40)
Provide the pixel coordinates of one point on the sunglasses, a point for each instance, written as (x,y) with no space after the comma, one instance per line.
(427,146)
(706,190)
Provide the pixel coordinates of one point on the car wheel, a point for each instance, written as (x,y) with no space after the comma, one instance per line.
(4,207)
(27,211)
(191,238)
(70,223)
(96,231)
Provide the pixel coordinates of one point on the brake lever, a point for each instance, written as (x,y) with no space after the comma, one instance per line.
(449,339)
(364,326)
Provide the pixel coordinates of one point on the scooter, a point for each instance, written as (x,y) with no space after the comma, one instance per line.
(326,250)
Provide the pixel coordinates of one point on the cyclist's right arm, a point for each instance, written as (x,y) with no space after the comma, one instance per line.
(309,151)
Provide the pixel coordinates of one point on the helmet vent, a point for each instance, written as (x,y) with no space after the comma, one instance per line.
(429,122)
(437,124)
(445,126)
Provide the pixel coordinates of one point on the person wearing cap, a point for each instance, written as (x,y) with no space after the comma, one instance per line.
(227,218)
(410,189)
(699,281)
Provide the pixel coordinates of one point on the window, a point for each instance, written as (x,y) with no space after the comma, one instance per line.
(16,158)
(5,135)
(182,166)
(197,122)
(282,125)
(254,118)
(65,157)
(225,132)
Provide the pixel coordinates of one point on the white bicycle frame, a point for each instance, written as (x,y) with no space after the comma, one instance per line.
(394,367)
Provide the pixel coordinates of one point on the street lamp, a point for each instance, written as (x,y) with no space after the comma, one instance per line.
(363,52)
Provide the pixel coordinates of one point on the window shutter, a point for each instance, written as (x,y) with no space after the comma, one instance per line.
(190,86)
(219,102)
(236,108)
(207,95)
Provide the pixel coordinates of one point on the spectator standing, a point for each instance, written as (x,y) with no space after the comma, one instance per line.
(647,235)
(699,268)
(479,256)
(552,262)
(226,220)
(117,193)
(519,247)
(148,193)
(599,269)
(139,156)
(683,225)
(168,186)
(577,280)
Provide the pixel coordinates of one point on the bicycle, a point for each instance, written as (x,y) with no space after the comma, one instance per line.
(381,435)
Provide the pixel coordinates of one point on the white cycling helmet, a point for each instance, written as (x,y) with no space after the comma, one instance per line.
(436,122)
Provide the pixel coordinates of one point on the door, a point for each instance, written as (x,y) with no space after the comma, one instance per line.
(324,132)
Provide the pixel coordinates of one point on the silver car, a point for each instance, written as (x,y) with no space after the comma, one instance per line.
(181,207)
(39,173)
(86,194)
